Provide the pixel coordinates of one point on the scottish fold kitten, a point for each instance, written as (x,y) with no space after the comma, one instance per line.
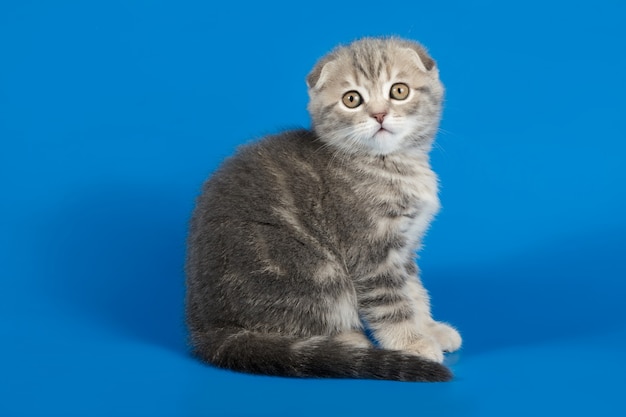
(302,239)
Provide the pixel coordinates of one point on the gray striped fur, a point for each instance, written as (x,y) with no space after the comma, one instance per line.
(302,238)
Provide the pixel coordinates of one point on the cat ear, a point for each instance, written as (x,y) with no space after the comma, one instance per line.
(419,56)
(320,73)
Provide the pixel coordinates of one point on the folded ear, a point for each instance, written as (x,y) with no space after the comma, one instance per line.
(420,56)
(320,72)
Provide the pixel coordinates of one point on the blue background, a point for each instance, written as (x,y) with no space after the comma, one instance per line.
(112,114)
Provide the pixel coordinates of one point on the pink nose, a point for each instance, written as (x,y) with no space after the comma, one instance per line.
(379,117)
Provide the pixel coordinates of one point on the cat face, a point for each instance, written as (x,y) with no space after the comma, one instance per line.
(376,96)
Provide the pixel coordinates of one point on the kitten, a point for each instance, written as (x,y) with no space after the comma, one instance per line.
(302,237)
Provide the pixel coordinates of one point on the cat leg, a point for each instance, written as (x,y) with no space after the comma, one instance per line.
(393,316)
(446,336)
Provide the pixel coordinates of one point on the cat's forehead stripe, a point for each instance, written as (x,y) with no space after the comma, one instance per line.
(356,76)
(364,64)
(358,67)
(388,70)
(371,65)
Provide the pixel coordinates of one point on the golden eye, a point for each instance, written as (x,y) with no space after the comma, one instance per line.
(352,99)
(399,91)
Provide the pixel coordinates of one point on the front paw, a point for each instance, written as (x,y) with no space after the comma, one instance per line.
(446,336)
(425,347)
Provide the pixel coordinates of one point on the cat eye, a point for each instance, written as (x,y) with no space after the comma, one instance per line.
(399,91)
(352,99)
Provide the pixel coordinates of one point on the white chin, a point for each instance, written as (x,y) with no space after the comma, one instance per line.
(385,142)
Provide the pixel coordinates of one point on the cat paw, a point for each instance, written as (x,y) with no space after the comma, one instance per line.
(446,336)
(426,348)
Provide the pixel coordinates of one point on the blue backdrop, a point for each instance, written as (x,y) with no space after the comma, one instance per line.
(112,114)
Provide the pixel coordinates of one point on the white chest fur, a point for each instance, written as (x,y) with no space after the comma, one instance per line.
(424,189)
(408,189)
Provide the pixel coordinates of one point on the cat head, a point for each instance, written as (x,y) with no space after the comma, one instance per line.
(376,96)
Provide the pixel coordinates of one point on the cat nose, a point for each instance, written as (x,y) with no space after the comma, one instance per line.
(379,116)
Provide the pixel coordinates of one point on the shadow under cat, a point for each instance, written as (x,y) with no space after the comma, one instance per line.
(118,260)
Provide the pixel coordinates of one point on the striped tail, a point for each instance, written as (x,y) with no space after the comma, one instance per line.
(316,357)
